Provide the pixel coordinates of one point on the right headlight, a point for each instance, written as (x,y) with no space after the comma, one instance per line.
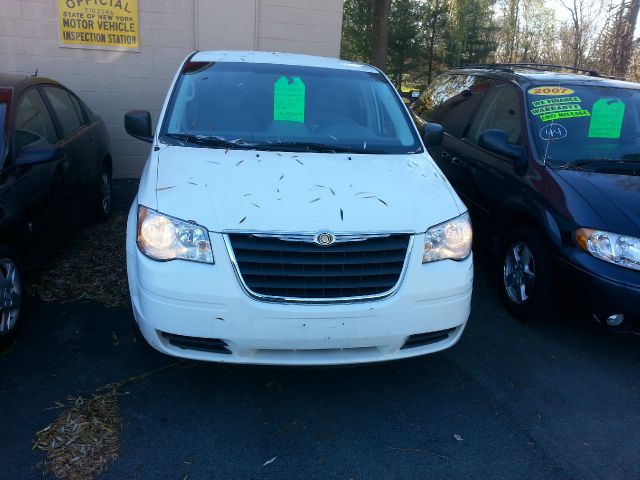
(448,240)
(622,250)
(162,237)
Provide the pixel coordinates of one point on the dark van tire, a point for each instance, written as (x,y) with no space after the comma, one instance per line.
(11,293)
(525,274)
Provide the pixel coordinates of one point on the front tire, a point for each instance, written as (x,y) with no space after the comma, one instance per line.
(11,289)
(526,274)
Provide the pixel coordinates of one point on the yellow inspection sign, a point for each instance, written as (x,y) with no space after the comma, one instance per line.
(101,24)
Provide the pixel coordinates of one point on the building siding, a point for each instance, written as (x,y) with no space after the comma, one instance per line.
(113,82)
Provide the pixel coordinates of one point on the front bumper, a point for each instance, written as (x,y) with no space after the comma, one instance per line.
(207,304)
(604,289)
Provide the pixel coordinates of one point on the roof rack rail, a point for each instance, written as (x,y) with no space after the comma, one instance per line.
(534,66)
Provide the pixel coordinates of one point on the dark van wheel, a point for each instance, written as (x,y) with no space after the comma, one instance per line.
(526,274)
(10,296)
(104,206)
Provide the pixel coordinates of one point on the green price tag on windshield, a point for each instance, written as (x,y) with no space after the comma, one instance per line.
(606,118)
(288,99)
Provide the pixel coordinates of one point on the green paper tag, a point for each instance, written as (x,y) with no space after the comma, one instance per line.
(288,99)
(606,118)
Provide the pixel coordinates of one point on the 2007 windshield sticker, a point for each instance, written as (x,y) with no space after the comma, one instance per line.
(545,90)
(289,99)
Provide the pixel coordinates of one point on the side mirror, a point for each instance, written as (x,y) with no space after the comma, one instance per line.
(37,155)
(432,134)
(137,123)
(497,142)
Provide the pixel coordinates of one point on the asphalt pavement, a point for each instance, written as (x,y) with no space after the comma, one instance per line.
(558,399)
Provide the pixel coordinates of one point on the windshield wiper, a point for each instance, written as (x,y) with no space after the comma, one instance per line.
(209,140)
(594,164)
(311,147)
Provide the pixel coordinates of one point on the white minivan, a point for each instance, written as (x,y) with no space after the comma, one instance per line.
(289,214)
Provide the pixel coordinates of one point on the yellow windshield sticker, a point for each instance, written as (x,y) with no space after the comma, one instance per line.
(555,101)
(550,91)
(560,115)
(289,99)
(606,118)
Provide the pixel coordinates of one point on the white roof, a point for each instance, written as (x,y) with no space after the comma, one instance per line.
(279,58)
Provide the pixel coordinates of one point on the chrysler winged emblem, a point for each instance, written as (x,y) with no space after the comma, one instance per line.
(324,239)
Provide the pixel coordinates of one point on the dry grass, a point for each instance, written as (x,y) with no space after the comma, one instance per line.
(83,440)
(91,267)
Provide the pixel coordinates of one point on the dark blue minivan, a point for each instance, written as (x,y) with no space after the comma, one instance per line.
(549,165)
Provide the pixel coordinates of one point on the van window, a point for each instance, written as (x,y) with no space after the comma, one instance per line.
(584,123)
(451,101)
(269,105)
(501,111)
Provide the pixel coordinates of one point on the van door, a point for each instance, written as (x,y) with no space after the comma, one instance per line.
(493,178)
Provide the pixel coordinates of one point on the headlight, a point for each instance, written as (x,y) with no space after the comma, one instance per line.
(166,238)
(451,239)
(621,250)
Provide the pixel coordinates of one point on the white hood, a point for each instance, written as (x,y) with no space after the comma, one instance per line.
(244,190)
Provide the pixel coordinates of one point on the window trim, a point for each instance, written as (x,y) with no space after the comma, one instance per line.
(14,152)
(61,136)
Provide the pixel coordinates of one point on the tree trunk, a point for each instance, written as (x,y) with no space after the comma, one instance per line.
(432,39)
(624,42)
(380,33)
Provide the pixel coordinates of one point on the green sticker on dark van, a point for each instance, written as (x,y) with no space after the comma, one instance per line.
(288,99)
(606,118)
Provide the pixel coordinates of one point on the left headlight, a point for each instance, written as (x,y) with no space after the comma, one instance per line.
(448,240)
(162,237)
(614,248)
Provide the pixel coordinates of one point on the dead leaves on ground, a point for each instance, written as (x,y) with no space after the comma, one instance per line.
(90,267)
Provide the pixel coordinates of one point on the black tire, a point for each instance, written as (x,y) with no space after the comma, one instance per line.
(104,194)
(11,294)
(525,274)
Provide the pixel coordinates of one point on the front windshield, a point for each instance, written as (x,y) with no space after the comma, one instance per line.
(287,107)
(581,124)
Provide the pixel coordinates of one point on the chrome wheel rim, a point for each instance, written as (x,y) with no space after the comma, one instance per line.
(10,295)
(105,193)
(519,273)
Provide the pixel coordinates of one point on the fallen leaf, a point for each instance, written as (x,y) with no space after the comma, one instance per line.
(269,461)
(457,437)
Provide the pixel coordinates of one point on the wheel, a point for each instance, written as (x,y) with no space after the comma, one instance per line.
(10,296)
(526,274)
(103,207)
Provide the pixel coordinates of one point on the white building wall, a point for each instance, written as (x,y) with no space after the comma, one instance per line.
(113,82)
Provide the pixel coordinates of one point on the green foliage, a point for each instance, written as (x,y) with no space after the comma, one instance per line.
(357,21)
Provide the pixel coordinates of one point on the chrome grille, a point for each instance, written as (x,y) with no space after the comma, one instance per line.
(277,266)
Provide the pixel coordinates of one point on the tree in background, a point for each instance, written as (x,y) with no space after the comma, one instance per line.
(429,36)
(380,33)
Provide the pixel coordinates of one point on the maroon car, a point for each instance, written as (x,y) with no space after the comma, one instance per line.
(55,167)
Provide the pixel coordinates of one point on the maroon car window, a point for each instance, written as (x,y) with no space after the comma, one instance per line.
(64,109)
(33,125)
